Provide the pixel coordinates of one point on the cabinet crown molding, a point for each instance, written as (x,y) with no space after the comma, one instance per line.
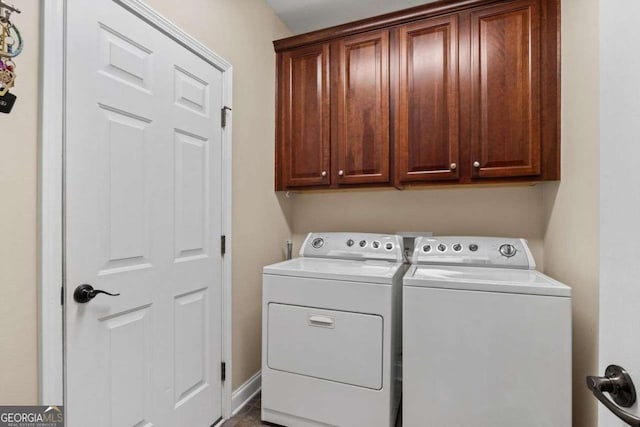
(404,16)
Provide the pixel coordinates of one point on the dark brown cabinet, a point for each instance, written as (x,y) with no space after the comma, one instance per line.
(426,110)
(449,92)
(362,113)
(505,81)
(303,116)
(333,113)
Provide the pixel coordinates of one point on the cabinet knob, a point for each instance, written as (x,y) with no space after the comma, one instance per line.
(324,173)
(453,166)
(340,172)
(476,164)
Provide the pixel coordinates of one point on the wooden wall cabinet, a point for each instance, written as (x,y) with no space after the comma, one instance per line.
(426,109)
(304,159)
(452,92)
(333,113)
(505,90)
(361,143)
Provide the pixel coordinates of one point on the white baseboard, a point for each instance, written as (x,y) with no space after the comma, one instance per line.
(246,392)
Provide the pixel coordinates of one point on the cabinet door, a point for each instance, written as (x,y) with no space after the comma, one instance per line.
(304,127)
(362,119)
(505,90)
(426,118)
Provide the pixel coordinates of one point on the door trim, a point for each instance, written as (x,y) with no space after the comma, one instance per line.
(51,193)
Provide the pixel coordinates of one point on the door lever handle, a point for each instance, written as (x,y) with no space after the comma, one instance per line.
(619,385)
(85,293)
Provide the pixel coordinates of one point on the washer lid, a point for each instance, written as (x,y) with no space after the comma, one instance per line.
(371,271)
(503,280)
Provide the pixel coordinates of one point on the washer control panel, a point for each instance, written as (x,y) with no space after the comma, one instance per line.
(500,252)
(353,246)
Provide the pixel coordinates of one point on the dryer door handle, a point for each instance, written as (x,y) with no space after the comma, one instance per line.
(322,321)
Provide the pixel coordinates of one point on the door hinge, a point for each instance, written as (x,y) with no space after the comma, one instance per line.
(61,295)
(223,116)
(223,371)
(223,244)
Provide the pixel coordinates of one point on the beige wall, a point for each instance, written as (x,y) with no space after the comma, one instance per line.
(571,237)
(492,211)
(242,32)
(560,220)
(18,186)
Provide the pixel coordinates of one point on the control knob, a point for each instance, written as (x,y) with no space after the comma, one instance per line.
(508,250)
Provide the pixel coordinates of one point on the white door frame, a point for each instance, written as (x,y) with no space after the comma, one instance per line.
(51,192)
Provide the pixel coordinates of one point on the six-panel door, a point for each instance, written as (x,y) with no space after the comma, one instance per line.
(143,219)
(304,117)
(426,118)
(505,90)
(361,143)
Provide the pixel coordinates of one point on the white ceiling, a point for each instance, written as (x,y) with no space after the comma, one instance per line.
(302,16)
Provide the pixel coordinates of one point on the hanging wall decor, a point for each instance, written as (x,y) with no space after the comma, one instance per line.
(10,46)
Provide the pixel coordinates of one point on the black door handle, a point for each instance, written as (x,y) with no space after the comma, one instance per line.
(85,293)
(618,384)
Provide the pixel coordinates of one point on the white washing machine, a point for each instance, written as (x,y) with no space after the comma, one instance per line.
(486,338)
(331,332)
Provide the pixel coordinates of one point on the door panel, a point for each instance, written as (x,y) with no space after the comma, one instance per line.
(190,344)
(619,201)
(426,125)
(129,347)
(191,193)
(126,181)
(305,119)
(362,142)
(505,78)
(143,212)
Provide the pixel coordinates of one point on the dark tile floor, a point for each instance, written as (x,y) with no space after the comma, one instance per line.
(249,416)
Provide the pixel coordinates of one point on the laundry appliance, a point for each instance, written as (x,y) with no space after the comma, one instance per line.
(486,338)
(331,336)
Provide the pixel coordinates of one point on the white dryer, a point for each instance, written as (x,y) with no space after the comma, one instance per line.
(331,332)
(486,338)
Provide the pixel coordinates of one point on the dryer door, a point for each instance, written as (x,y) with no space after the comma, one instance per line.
(333,345)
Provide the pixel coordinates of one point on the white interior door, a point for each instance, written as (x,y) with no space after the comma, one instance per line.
(619,194)
(143,212)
